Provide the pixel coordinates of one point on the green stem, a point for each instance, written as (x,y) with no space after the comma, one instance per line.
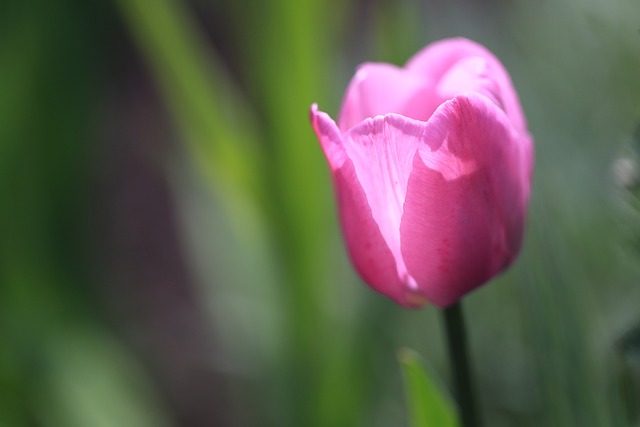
(461,372)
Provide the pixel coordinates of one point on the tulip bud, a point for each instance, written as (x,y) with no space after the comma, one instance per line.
(431,165)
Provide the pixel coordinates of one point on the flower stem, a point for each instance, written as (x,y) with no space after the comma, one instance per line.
(457,341)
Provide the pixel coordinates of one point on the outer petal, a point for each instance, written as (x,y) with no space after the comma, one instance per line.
(329,136)
(379,89)
(367,248)
(438,59)
(459,231)
(382,150)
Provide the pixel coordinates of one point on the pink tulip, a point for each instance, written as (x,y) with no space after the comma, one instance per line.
(431,165)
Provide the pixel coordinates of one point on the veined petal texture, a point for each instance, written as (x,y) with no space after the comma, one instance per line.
(432,167)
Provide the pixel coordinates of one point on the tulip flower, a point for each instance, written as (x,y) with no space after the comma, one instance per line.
(431,166)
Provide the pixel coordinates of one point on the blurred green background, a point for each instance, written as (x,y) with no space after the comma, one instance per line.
(169,251)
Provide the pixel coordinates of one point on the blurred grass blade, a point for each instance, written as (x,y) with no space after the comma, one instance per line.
(427,404)
(209,110)
(92,381)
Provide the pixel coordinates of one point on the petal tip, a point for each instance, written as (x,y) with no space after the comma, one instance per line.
(328,135)
(313,112)
(415,300)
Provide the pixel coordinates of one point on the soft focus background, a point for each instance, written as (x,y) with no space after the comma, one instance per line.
(169,251)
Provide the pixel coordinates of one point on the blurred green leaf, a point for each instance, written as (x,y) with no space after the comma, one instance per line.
(213,117)
(428,405)
(92,381)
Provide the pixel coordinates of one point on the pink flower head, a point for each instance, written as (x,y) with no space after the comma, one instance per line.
(431,165)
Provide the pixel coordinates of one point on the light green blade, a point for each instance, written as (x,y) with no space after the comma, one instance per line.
(427,404)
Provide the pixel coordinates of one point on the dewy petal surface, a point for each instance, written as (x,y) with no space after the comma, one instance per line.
(458,232)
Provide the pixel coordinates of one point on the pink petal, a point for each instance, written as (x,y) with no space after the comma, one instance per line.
(439,59)
(368,250)
(462,224)
(379,89)
(329,136)
(382,151)
(432,166)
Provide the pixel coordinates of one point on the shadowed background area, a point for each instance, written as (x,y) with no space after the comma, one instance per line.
(169,250)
